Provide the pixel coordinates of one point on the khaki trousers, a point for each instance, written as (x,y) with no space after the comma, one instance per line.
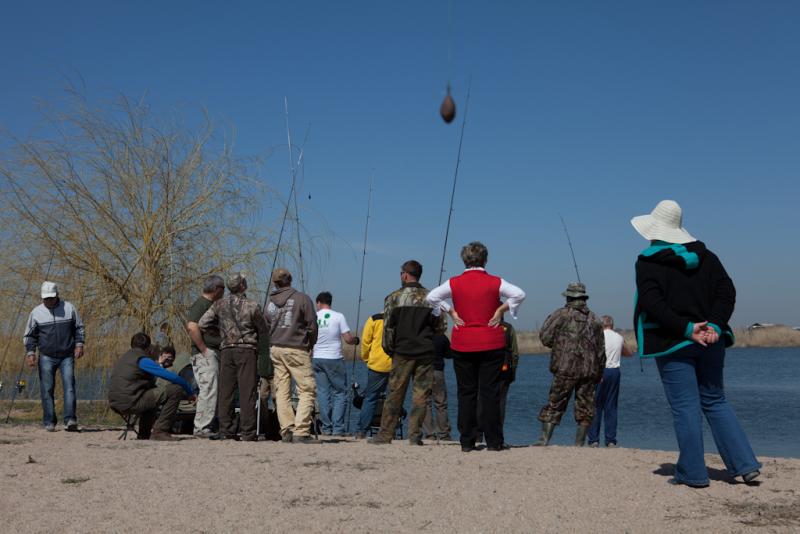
(293,364)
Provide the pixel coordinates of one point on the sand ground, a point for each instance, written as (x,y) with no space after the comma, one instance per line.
(91,482)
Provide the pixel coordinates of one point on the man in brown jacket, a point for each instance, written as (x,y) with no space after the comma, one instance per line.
(292,320)
(245,356)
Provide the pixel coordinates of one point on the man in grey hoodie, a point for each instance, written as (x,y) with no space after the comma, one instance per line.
(292,321)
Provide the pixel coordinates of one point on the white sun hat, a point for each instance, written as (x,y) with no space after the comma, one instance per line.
(49,289)
(664,223)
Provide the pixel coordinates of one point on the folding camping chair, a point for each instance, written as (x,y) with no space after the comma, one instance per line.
(131,420)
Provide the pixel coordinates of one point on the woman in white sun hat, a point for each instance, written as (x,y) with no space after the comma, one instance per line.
(684,302)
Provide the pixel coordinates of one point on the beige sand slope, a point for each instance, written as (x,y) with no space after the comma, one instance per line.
(90,482)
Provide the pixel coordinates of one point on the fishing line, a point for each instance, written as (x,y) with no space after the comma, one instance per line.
(455,181)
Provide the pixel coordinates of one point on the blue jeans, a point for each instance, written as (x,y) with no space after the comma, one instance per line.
(376,386)
(47,385)
(692,379)
(605,405)
(331,377)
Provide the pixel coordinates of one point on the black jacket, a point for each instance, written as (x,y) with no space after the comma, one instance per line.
(677,285)
(409,323)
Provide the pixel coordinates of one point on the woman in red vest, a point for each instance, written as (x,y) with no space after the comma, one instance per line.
(478,343)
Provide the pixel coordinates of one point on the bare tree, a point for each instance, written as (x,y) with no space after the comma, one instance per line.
(134,209)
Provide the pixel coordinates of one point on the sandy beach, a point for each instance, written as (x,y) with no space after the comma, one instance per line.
(91,482)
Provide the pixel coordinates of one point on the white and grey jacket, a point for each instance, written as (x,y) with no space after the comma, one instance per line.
(55,332)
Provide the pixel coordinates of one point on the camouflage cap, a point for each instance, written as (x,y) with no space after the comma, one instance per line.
(575,290)
(234,280)
(281,276)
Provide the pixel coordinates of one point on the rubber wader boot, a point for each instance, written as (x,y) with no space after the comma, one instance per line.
(580,435)
(547,433)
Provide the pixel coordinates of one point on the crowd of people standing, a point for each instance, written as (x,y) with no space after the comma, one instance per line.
(293,349)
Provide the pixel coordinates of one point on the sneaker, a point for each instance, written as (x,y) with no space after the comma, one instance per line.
(595,444)
(223,437)
(305,440)
(751,476)
(676,482)
(204,433)
(71,426)
(611,445)
(287,438)
(50,427)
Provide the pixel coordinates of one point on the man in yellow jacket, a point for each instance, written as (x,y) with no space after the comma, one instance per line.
(378,366)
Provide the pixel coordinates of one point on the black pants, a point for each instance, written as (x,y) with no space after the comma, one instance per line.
(238,366)
(479,375)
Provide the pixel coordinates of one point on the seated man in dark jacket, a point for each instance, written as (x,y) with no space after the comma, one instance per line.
(134,390)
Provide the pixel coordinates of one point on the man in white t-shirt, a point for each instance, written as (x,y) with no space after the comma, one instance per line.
(607,394)
(329,368)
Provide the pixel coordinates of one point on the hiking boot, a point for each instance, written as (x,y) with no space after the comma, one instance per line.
(547,433)
(359,435)
(580,435)
(751,476)
(305,440)
(50,427)
(71,425)
(158,435)
(378,440)
(594,444)
(287,438)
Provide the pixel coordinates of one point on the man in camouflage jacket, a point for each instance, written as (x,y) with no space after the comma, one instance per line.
(577,359)
(244,356)
(408,329)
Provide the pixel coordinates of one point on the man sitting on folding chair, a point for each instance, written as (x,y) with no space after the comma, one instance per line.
(133,390)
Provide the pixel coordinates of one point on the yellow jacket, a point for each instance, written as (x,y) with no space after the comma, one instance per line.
(371,345)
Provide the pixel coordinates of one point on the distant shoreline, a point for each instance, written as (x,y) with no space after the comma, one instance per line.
(768,337)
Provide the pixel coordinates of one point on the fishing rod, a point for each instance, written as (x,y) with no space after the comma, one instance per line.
(293,175)
(360,293)
(455,181)
(19,386)
(571,250)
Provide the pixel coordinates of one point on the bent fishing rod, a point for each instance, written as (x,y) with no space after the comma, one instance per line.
(571,250)
(455,181)
(360,294)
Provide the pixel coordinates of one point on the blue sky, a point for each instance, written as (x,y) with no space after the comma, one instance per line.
(593,110)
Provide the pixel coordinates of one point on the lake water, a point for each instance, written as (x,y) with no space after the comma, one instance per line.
(762,385)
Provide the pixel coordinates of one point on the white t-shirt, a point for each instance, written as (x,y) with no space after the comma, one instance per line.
(614,343)
(332,325)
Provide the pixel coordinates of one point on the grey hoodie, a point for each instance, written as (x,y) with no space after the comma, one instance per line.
(292,319)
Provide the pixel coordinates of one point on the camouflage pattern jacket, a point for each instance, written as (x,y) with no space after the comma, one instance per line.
(241,325)
(576,338)
(409,323)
